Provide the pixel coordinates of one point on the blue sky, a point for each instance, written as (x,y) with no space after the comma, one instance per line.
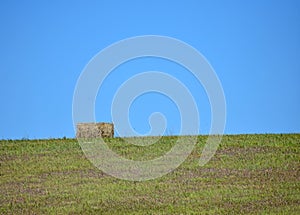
(253,46)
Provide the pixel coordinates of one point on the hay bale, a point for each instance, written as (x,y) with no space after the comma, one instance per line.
(95,130)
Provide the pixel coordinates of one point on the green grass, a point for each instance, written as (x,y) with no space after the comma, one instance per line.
(249,174)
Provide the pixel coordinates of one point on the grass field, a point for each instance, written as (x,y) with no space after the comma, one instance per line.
(248,174)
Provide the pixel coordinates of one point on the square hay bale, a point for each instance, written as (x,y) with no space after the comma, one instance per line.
(95,130)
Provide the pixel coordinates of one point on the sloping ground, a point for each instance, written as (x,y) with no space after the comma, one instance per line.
(248,174)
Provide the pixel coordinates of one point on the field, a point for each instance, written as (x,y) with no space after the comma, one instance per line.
(249,174)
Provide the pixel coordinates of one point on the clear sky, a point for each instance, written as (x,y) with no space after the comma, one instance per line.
(253,46)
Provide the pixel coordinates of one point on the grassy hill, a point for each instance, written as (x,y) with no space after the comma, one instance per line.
(248,174)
